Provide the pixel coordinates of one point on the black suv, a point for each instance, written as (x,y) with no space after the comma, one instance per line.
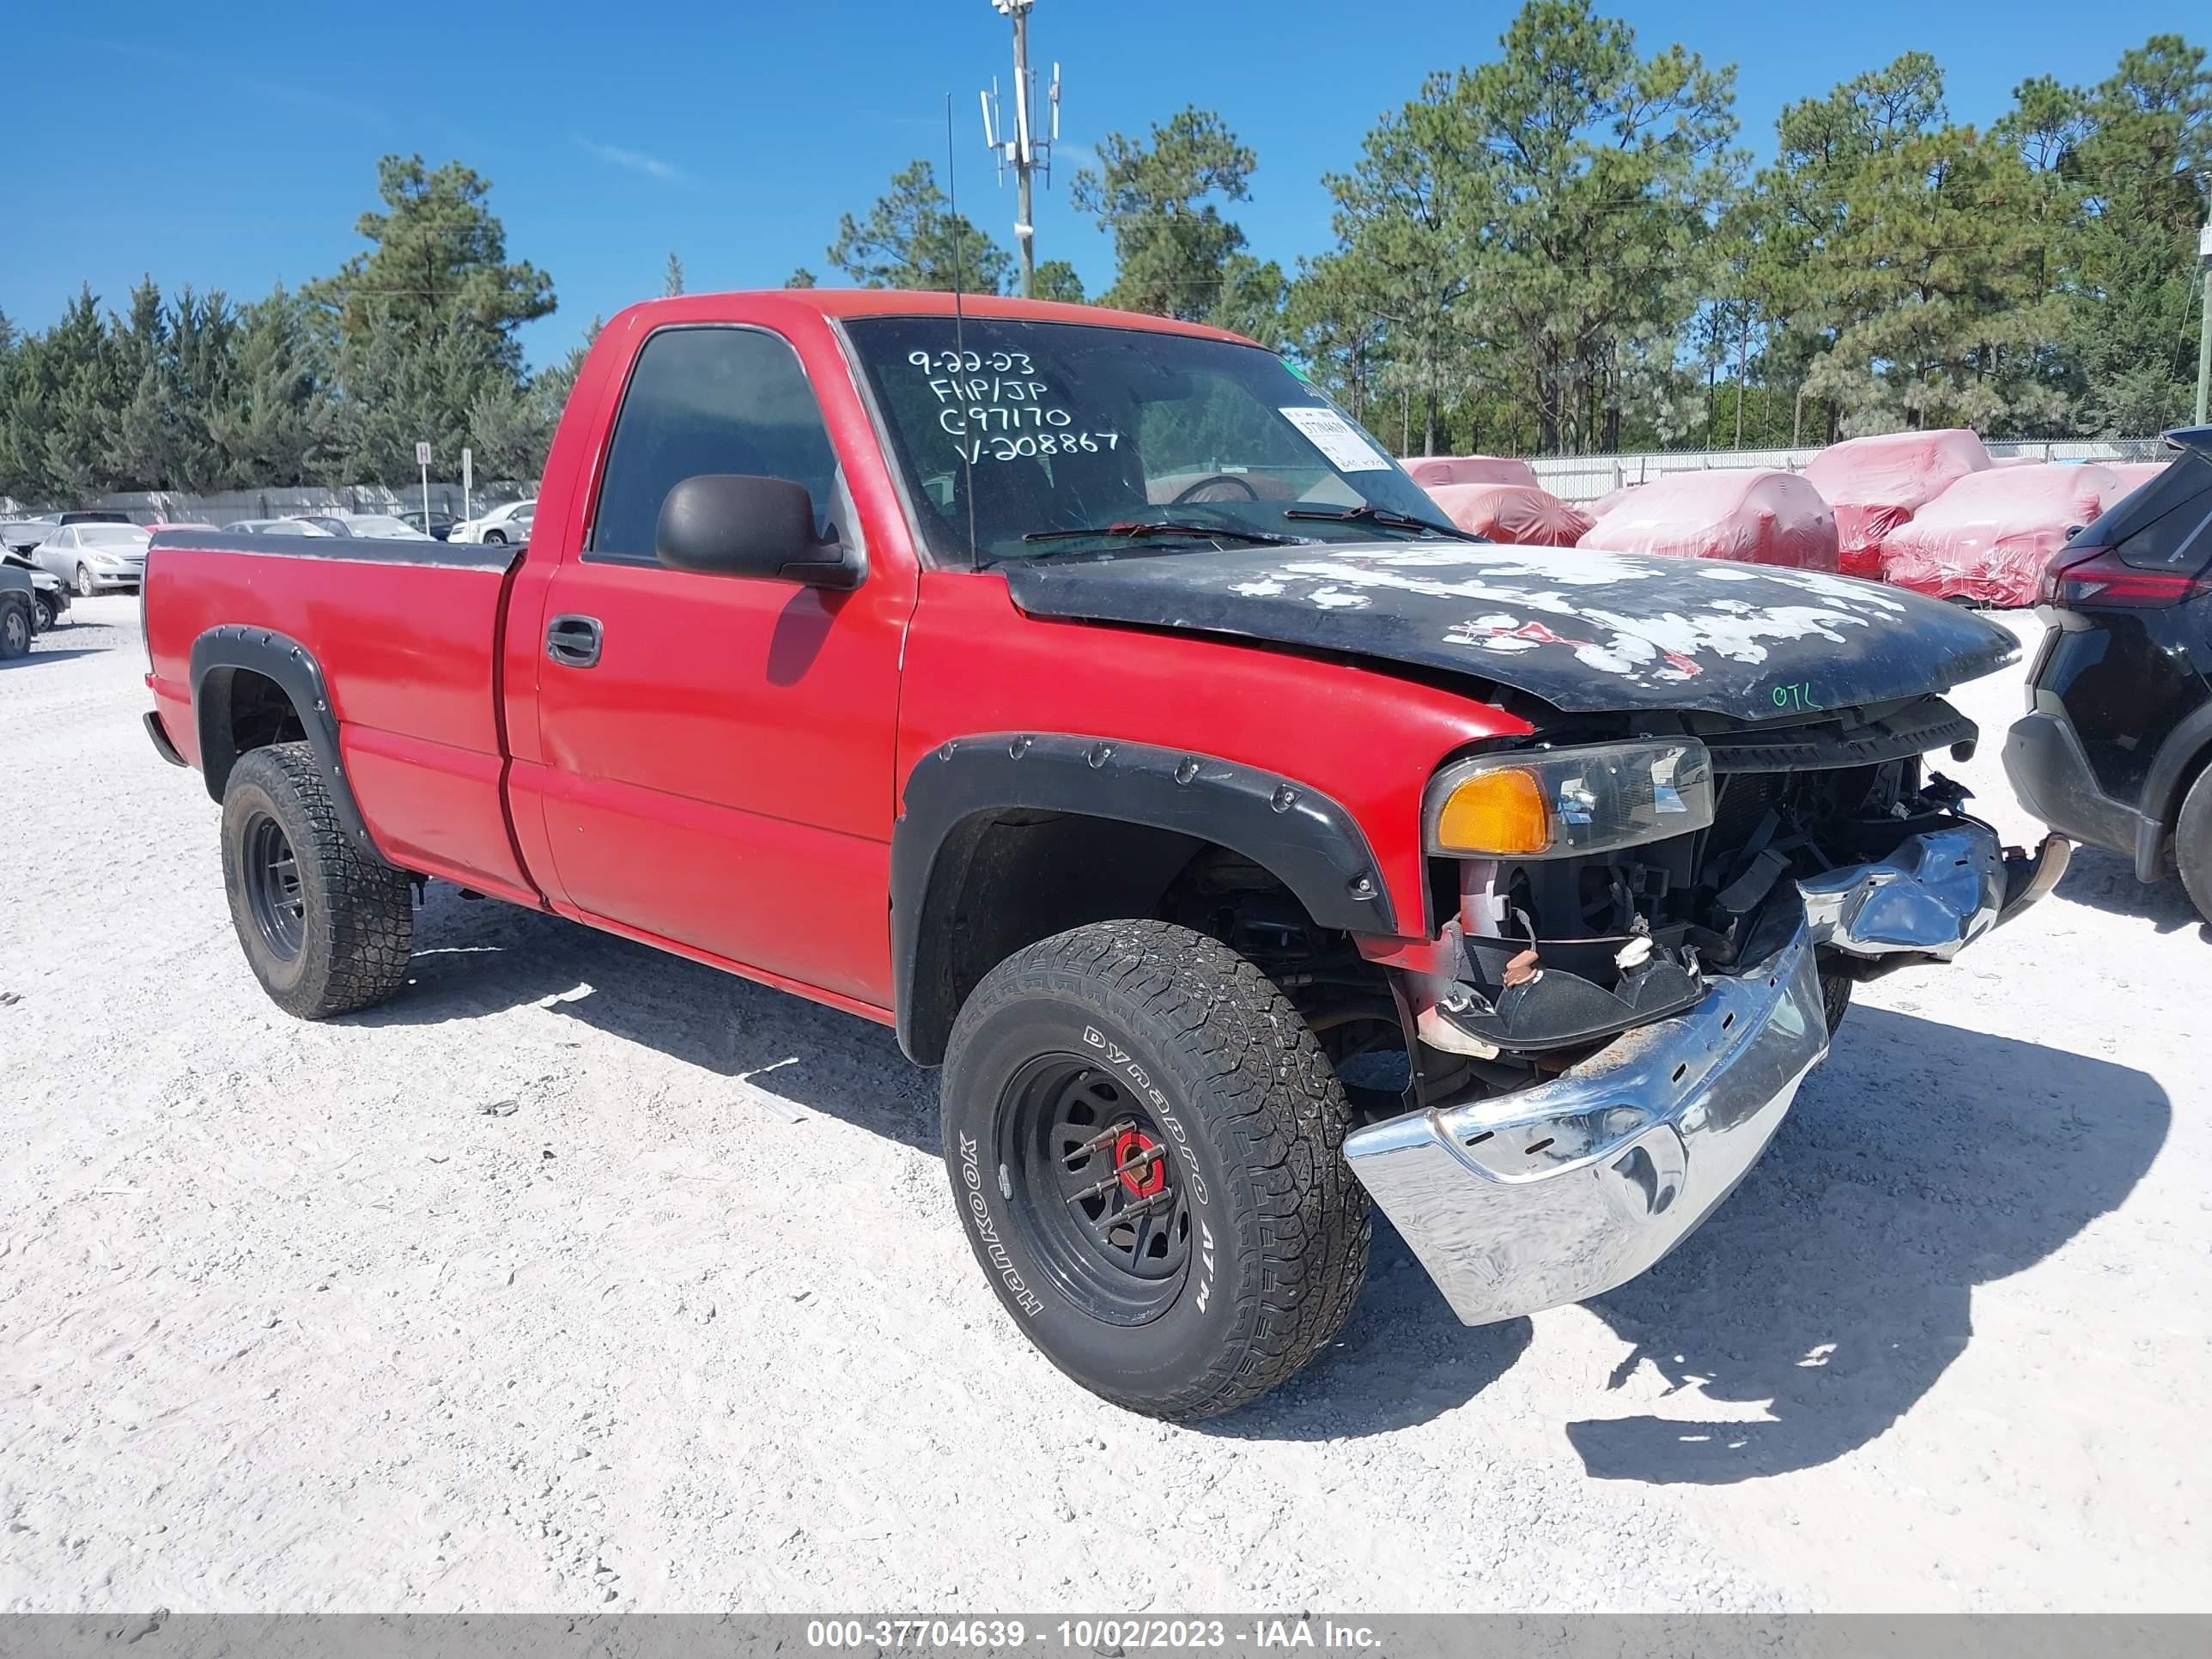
(2114,748)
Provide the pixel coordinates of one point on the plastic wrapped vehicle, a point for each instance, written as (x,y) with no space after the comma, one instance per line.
(1874,484)
(1605,503)
(1521,515)
(2133,476)
(1985,539)
(1748,515)
(1427,470)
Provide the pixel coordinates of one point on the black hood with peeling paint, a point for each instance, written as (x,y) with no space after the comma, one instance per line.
(1586,632)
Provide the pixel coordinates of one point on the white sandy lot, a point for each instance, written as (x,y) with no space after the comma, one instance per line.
(582,1278)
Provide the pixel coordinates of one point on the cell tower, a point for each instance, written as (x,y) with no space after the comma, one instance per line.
(1021,150)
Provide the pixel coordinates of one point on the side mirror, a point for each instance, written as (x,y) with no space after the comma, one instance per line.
(730,524)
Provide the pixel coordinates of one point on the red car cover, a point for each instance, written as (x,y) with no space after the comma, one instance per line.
(1520,513)
(1612,498)
(1752,515)
(1876,484)
(1427,470)
(1987,538)
(2133,476)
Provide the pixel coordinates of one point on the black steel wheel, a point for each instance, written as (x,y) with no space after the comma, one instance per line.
(273,892)
(325,925)
(1095,1188)
(1146,1147)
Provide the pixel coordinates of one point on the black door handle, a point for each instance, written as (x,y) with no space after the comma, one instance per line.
(573,641)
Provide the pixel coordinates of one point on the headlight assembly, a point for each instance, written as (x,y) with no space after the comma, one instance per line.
(1567,803)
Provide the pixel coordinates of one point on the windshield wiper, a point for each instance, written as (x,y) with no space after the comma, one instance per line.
(1137,529)
(1388,516)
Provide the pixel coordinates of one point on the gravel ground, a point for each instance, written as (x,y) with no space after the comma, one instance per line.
(580,1278)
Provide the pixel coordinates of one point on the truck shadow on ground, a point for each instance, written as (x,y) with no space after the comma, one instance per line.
(473,959)
(1835,1286)
(2104,881)
(1829,1292)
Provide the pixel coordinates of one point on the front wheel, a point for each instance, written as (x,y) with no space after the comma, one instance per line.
(498,538)
(44,614)
(1147,1148)
(86,587)
(326,930)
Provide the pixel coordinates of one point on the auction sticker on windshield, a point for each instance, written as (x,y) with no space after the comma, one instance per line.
(1338,438)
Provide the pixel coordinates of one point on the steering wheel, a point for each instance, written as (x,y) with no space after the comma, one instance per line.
(1190,493)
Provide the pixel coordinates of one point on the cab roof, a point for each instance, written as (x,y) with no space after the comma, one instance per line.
(842,302)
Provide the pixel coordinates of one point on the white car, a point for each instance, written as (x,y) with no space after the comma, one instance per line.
(510,523)
(95,558)
(381,525)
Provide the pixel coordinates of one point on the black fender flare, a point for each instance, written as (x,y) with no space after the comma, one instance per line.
(2174,764)
(1302,835)
(216,658)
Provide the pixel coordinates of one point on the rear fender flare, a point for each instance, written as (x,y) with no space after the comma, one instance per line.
(1303,837)
(217,656)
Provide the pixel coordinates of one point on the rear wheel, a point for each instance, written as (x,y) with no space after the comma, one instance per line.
(2192,843)
(1146,1148)
(326,930)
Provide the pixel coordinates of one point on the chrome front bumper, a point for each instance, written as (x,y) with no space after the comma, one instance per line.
(1527,1201)
(1536,1199)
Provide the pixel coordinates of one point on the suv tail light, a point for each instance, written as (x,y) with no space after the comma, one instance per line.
(2097,575)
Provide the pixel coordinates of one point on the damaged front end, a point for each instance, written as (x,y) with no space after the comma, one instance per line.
(1646,943)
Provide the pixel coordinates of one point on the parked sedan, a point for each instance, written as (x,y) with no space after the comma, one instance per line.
(95,558)
(2114,748)
(50,596)
(438,526)
(383,525)
(277,527)
(510,523)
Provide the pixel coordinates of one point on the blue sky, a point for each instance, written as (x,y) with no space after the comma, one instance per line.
(232,144)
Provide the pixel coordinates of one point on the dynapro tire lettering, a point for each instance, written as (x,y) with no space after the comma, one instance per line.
(1119,1060)
(1118,1057)
(987,1229)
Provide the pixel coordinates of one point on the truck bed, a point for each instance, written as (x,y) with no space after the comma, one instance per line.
(410,678)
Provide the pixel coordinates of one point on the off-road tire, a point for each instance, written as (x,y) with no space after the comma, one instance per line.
(16,627)
(2192,843)
(357,915)
(1255,1121)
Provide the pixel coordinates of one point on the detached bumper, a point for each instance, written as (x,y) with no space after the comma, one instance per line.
(1523,1201)
(1534,1199)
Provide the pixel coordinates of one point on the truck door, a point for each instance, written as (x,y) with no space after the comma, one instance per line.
(718,749)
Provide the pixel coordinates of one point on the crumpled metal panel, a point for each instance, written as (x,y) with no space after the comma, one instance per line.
(1934,894)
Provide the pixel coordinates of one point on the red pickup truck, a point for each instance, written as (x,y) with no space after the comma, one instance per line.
(1086,695)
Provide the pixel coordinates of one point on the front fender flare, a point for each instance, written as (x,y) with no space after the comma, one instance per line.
(1299,834)
(217,656)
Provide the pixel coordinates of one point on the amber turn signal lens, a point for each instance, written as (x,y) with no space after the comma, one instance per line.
(1497,814)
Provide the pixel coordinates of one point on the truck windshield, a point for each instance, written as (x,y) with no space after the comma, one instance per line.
(1032,432)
